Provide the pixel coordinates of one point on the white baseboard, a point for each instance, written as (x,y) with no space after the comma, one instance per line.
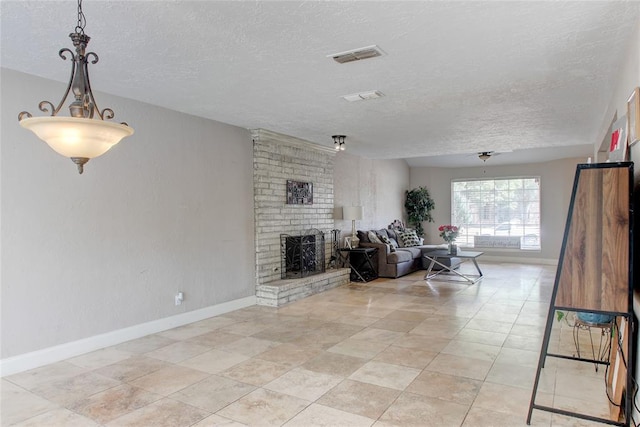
(24,362)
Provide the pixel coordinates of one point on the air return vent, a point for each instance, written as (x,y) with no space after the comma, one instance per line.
(356,54)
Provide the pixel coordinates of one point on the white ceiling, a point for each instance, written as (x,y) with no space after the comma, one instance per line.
(532,79)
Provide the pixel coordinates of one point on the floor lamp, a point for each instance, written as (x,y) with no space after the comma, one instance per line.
(352,213)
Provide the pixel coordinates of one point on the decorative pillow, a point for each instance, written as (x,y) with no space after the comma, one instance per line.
(391,233)
(409,238)
(390,242)
(362,236)
(382,232)
(373,237)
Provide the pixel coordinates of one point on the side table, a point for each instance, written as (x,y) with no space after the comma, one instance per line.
(362,262)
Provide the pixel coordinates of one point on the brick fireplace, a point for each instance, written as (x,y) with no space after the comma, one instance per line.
(276,159)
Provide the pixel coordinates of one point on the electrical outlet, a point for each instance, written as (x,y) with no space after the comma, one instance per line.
(179,298)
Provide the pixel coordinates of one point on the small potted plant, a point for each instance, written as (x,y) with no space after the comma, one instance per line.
(450,233)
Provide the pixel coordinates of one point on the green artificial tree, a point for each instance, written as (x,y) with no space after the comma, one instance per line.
(419,205)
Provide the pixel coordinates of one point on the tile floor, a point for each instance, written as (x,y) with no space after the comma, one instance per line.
(390,352)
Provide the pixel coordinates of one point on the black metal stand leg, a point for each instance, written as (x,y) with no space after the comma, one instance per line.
(543,355)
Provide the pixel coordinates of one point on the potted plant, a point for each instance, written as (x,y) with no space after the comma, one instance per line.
(419,205)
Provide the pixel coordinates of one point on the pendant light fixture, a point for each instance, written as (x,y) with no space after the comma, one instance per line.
(338,142)
(485,155)
(86,133)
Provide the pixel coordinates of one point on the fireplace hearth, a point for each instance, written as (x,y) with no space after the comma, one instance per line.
(302,255)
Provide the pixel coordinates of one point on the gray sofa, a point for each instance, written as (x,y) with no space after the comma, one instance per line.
(397,262)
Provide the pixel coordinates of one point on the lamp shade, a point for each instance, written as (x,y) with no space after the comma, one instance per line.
(77,137)
(352,212)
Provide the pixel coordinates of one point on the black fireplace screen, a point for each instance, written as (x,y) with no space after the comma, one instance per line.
(302,255)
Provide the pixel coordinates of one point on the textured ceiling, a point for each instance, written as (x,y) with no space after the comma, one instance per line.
(458,77)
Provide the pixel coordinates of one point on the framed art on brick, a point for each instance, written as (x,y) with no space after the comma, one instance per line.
(299,193)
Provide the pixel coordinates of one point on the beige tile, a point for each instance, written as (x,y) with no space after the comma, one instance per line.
(507,399)
(586,407)
(264,408)
(523,343)
(187,331)
(562,421)
(246,328)
(385,375)
(528,331)
(113,403)
(522,376)
(581,387)
(482,417)
(169,380)
(218,421)
(289,354)
(215,338)
(520,357)
(145,344)
(358,320)
(18,404)
(358,348)
(132,368)
(408,315)
(395,324)
(360,398)
(439,330)
(381,336)
(369,311)
(280,333)
(490,326)
(214,361)
(460,366)
(218,322)
(98,359)
(319,339)
(334,364)
(46,374)
(305,384)
(178,351)
(481,337)
(58,417)
(473,350)
(213,393)
(447,387)
(318,415)
(69,390)
(411,357)
(163,413)
(255,371)
(249,346)
(422,343)
(416,410)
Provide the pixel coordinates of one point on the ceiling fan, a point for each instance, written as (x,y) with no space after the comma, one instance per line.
(486,155)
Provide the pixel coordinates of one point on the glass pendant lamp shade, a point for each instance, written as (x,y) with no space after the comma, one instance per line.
(87,132)
(77,137)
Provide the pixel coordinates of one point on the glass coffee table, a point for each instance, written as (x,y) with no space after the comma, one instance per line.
(463,256)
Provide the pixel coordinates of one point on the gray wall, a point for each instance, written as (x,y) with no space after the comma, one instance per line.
(377,185)
(556,181)
(169,208)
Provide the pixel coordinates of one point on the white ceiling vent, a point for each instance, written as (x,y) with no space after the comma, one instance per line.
(373,94)
(356,54)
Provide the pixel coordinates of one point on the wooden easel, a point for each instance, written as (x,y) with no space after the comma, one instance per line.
(594,275)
